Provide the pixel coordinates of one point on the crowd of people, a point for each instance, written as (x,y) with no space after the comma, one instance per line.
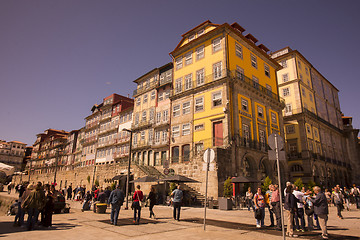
(299,204)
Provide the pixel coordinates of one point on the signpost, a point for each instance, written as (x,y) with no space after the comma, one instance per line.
(276,142)
(209,156)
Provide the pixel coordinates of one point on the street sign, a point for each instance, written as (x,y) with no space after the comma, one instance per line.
(166,171)
(279,140)
(272,155)
(209,157)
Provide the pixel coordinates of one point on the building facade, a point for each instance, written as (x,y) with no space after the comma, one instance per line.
(12,153)
(316,146)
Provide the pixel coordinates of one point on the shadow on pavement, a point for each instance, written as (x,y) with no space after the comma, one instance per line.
(8,227)
(268,230)
(129,221)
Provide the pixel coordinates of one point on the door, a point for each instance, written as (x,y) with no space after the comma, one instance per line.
(218,133)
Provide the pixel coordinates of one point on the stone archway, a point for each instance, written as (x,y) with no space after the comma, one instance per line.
(249,167)
(264,169)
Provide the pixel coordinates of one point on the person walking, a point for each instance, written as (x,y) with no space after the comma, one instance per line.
(321,210)
(268,196)
(34,203)
(355,193)
(290,207)
(152,198)
(275,203)
(49,206)
(249,199)
(177,195)
(116,200)
(69,193)
(346,194)
(300,213)
(259,201)
(338,199)
(137,198)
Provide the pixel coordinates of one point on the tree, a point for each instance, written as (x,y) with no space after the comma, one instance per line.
(97,183)
(311,184)
(299,183)
(88,179)
(228,188)
(172,187)
(266,184)
(113,186)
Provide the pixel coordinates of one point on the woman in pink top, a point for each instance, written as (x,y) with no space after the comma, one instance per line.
(259,201)
(138,196)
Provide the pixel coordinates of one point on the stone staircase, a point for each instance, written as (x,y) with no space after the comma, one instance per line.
(151,171)
(200,199)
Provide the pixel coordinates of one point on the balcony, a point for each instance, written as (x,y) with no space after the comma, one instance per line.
(120,154)
(91,125)
(90,140)
(160,143)
(142,124)
(106,116)
(248,143)
(121,139)
(165,80)
(145,87)
(178,89)
(162,123)
(109,128)
(142,144)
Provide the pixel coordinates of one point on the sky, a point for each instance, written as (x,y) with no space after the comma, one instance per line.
(59,58)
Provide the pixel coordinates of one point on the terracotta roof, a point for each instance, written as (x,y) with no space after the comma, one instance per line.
(17,142)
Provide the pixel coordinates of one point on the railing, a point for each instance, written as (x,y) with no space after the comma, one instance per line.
(142,143)
(160,123)
(106,116)
(143,89)
(120,154)
(253,144)
(90,139)
(90,125)
(237,75)
(198,82)
(142,124)
(108,128)
(121,139)
(160,143)
(165,81)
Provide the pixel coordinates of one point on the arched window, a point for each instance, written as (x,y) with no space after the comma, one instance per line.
(296,168)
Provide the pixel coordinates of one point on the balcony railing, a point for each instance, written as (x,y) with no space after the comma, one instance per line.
(91,125)
(108,128)
(120,154)
(90,140)
(142,143)
(145,87)
(162,122)
(165,80)
(186,86)
(121,139)
(142,124)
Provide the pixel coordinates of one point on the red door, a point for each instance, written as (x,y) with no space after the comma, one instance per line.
(218,133)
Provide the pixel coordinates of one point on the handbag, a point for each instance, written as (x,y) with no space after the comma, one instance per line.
(140,203)
(258,214)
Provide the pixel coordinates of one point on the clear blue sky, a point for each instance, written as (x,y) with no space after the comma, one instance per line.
(58,58)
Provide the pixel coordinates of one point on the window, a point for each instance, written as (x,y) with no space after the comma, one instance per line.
(188,58)
(217,99)
(153,93)
(303,92)
(186,108)
(176,110)
(267,70)
(145,98)
(262,138)
(216,44)
(138,101)
(188,81)
(136,118)
(268,88)
(240,73)
(186,129)
(186,153)
(200,77)
(255,82)
(201,32)
(306,71)
(260,112)
(199,104)
(143,119)
(199,127)
(301,77)
(157,136)
(253,61)
(200,52)
(286,92)
(244,105)
(179,63)
(167,94)
(238,50)
(290,129)
(283,63)
(142,135)
(152,114)
(150,135)
(299,64)
(308,129)
(273,118)
(164,135)
(160,96)
(176,131)
(175,154)
(191,37)
(158,117)
(316,133)
(297,168)
(166,115)
(178,85)
(311,97)
(285,77)
(246,134)
(288,109)
(217,70)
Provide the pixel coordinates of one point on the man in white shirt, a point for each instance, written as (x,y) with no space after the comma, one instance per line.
(300,210)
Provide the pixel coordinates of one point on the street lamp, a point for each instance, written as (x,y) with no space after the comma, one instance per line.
(128,173)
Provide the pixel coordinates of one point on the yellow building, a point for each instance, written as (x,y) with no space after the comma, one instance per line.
(224,97)
(312,119)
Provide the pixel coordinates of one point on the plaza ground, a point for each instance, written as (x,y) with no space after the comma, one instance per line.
(222,225)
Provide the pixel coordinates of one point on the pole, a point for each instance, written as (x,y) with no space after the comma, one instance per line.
(206,185)
(128,173)
(280,190)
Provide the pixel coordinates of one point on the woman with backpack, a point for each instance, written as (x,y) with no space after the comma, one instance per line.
(259,201)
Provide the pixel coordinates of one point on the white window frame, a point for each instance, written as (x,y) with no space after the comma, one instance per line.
(286,91)
(138,101)
(153,95)
(166,115)
(267,70)
(199,104)
(216,44)
(144,116)
(238,50)
(164,135)
(260,111)
(188,82)
(157,136)
(273,117)
(176,110)
(253,59)
(244,105)
(199,127)
(217,99)
(186,107)
(285,77)
(240,73)
(200,77)
(217,70)
(200,52)
(191,37)
(179,62)
(160,96)
(200,32)
(186,129)
(175,132)
(178,85)
(158,117)
(145,99)
(188,58)
(283,63)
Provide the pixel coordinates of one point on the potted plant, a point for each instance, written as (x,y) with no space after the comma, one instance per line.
(225,202)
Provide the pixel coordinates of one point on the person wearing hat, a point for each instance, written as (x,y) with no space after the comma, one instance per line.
(116,200)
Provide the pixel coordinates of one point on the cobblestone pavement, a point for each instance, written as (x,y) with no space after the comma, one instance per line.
(220,225)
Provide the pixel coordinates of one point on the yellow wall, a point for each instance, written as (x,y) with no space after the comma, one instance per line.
(249,70)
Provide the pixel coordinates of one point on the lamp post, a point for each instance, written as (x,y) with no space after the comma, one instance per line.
(128,173)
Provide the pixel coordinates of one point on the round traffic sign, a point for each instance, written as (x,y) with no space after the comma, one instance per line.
(209,155)
(279,141)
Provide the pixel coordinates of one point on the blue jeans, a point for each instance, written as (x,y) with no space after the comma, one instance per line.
(271,214)
(261,221)
(19,218)
(32,218)
(115,209)
(137,209)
